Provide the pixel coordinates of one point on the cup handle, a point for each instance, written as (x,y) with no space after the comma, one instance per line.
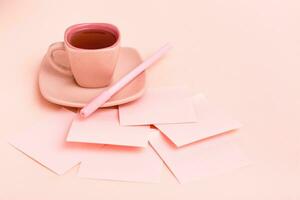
(58,67)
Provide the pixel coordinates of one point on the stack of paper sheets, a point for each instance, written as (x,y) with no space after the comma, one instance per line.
(191,137)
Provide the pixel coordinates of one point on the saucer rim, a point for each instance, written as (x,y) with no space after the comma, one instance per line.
(107,104)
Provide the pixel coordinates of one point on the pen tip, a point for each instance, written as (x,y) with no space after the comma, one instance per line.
(82,114)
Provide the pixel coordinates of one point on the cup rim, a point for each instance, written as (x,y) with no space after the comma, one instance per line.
(82,26)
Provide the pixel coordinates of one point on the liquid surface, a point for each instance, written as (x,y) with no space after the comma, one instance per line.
(93,39)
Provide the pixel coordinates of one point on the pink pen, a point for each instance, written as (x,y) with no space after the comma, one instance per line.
(110,91)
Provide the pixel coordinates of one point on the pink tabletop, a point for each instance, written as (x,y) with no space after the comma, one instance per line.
(244,55)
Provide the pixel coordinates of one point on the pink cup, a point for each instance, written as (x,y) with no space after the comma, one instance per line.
(91,67)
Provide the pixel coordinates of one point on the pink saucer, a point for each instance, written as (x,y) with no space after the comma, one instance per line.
(63,90)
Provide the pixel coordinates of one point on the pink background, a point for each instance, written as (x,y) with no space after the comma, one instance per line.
(243,54)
